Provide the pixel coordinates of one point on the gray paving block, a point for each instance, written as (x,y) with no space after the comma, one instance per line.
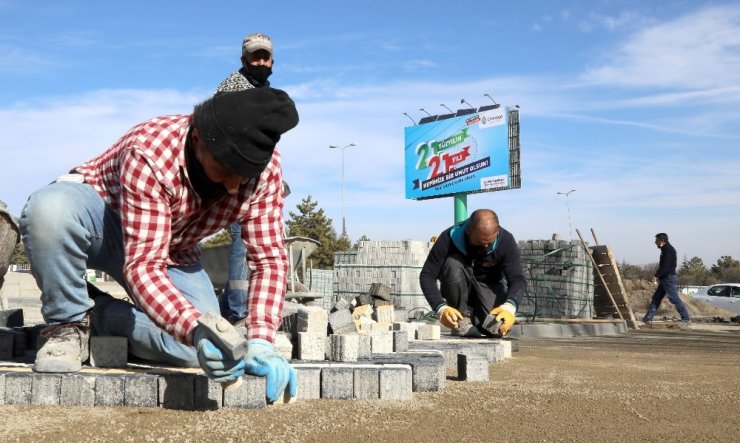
(380,291)
(309,381)
(364,299)
(6,346)
(365,346)
(495,349)
(77,390)
(408,328)
(312,319)
(176,391)
(428,332)
(45,389)
(18,388)
(400,315)
(366,383)
(400,341)
(11,318)
(108,352)
(395,382)
(208,395)
(110,390)
(17,345)
(337,382)
(382,341)
(472,367)
(249,395)
(384,314)
(311,346)
(341,304)
(341,322)
(141,390)
(429,370)
(283,345)
(344,347)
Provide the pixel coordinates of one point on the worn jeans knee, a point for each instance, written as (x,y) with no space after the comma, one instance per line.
(59,224)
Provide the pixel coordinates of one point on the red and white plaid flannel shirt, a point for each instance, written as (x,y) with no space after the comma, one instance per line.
(143,178)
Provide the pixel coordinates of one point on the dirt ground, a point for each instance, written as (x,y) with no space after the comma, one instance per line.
(649,385)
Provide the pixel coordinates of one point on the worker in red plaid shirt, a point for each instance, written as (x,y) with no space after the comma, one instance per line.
(137,213)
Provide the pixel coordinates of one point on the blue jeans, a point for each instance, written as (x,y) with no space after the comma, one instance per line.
(67,228)
(233,301)
(667,285)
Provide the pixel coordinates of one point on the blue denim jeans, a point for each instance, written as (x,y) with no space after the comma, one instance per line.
(67,228)
(669,286)
(233,301)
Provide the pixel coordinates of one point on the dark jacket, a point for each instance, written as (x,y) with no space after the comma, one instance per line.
(668,261)
(502,262)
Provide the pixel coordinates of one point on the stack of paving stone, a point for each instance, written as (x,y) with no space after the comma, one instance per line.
(361,352)
(560,281)
(368,340)
(396,264)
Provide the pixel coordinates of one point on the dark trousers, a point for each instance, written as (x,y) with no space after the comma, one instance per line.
(462,291)
(667,286)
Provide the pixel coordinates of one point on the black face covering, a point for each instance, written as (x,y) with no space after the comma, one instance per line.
(476,252)
(257,75)
(208,190)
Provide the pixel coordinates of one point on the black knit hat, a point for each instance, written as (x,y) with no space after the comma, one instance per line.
(242,128)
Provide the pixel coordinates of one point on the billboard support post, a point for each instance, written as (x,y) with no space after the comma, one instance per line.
(461,207)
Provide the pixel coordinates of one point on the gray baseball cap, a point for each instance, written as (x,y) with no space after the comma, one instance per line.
(256,41)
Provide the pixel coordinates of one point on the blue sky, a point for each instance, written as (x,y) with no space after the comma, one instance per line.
(635,104)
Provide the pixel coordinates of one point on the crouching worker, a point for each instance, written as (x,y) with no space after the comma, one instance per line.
(137,213)
(470,261)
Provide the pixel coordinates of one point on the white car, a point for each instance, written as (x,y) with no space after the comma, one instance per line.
(723,295)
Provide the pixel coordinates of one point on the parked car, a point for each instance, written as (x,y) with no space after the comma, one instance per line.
(723,295)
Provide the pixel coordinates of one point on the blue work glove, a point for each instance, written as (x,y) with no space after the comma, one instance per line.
(217,367)
(263,361)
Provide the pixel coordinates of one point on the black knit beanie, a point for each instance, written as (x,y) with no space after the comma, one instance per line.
(242,128)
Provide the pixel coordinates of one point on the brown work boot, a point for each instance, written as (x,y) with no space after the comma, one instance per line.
(66,347)
(466,329)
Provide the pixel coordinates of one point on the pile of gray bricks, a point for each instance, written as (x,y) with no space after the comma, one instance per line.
(560,282)
(396,264)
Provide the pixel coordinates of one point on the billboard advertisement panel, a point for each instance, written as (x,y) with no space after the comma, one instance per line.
(462,154)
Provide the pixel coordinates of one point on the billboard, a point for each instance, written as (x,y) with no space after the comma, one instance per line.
(466,152)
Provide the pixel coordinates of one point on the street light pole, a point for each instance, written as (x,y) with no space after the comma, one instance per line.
(344,226)
(567,204)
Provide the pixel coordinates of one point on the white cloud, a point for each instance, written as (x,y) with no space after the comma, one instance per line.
(19,61)
(44,140)
(698,50)
(415,65)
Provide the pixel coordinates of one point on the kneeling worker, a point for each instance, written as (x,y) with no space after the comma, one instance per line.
(138,211)
(470,260)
